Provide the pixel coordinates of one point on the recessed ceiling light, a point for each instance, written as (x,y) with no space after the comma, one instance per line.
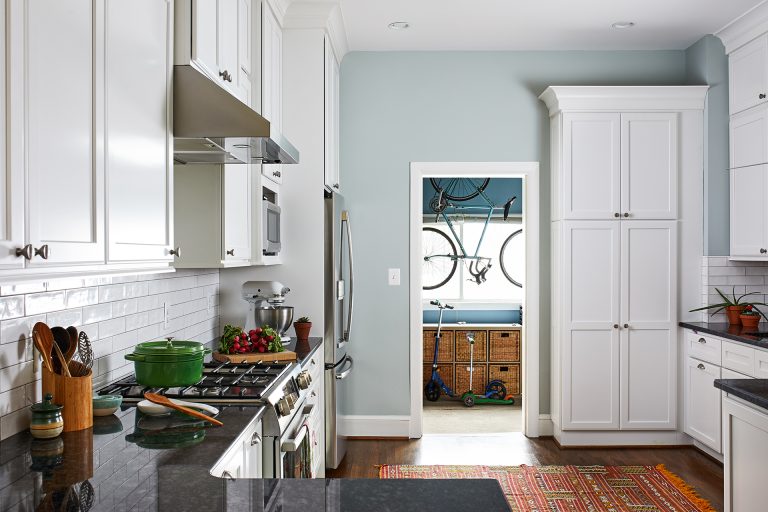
(399,25)
(623,24)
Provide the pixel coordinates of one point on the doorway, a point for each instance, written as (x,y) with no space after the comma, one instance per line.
(482,277)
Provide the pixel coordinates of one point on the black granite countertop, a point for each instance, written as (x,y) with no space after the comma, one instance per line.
(731,332)
(754,391)
(304,350)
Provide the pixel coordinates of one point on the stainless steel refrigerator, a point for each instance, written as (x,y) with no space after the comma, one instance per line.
(339,299)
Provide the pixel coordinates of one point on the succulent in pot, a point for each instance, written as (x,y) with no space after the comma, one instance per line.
(734,306)
(302,326)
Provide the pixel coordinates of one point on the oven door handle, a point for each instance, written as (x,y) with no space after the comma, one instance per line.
(291,445)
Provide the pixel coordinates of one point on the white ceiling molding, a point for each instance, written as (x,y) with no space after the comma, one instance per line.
(319,15)
(624,98)
(744,28)
(278,8)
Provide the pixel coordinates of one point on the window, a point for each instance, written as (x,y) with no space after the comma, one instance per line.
(497,288)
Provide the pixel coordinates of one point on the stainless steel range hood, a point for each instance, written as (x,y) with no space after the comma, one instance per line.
(212,126)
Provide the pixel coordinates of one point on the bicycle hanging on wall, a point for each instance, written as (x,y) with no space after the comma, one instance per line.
(440,254)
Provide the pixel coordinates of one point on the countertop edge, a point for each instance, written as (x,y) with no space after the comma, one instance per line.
(702,327)
(733,387)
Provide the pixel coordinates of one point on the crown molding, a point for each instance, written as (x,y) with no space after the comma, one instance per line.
(745,28)
(320,15)
(624,98)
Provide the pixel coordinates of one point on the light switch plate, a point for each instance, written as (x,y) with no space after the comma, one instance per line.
(393,276)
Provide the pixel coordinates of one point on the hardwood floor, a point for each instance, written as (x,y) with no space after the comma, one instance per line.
(363,456)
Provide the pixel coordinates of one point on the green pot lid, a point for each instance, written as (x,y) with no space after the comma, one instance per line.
(46,405)
(170,350)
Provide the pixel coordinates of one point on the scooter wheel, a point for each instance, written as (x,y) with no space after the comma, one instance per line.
(469,401)
(432,391)
(496,390)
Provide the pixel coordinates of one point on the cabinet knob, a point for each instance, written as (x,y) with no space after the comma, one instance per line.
(763,251)
(25,251)
(276,173)
(225,76)
(231,252)
(626,326)
(702,341)
(175,252)
(626,214)
(336,185)
(255,439)
(227,474)
(761,95)
(615,326)
(617,214)
(701,367)
(42,251)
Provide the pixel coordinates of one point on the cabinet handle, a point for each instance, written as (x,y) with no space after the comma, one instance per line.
(225,75)
(763,251)
(175,252)
(761,96)
(703,341)
(626,326)
(227,474)
(626,214)
(615,326)
(276,173)
(336,186)
(231,252)
(42,251)
(701,367)
(617,214)
(26,251)
(313,394)
(312,362)
(255,439)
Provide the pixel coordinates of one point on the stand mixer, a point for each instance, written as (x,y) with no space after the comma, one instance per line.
(266,306)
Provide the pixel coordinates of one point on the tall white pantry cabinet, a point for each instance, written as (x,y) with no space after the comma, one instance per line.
(620,158)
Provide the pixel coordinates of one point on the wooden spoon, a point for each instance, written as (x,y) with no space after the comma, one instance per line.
(162,400)
(64,365)
(43,338)
(70,353)
(61,338)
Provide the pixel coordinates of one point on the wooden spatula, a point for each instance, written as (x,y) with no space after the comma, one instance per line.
(43,338)
(162,400)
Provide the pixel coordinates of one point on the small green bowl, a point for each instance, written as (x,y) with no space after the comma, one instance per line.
(104,405)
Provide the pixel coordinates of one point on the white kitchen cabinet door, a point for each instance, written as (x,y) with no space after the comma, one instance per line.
(749,137)
(236,218)
(591,165)
(138,118)
(244,53)
(590,380)
(62,123)
(331,67)
(749,214)
(648,324)
(272,80)
(205,45)
(745,450)
(228,46)
(649,165)
(702,403)
(11,169)
(748,75)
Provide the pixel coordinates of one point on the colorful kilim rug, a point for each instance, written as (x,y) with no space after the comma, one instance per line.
(574,488)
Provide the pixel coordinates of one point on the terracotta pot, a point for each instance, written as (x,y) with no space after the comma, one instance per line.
(733,312)
(302,330)
(749,321)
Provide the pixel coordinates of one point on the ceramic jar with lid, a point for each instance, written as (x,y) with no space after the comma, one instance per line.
(47,421)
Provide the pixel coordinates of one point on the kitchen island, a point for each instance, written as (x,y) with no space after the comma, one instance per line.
(745,443)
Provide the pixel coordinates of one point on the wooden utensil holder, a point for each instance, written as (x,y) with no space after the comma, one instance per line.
(75,394)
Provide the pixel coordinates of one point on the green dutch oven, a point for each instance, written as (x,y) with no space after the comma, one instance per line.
(170,363)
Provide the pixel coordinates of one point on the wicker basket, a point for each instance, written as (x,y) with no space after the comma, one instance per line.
(504,346)
(462,378)
(445,371)
(444,351)
(509,374)
(462,346)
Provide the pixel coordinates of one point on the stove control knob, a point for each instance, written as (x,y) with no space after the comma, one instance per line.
(304,380)
(291,400)
(283,407)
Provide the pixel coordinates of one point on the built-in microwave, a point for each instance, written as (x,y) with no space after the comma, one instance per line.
(270,215)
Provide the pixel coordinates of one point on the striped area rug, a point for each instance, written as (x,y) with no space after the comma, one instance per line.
(574,488)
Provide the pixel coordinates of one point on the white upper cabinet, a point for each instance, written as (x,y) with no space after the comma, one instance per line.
(749,214)
(138,119)
(64,161)
(331,69)
(619,165)
(272,80)
(244,50)
(749,137)
(748,75)
(236,204)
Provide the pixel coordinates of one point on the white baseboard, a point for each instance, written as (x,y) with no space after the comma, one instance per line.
(620,438)
(374,426)
(546,427)
(709,451)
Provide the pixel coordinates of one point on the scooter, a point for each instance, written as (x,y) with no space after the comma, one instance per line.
(436,384)
(495,391)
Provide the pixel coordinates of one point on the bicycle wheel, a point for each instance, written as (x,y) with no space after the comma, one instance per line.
(459,189)
(439,263)
(511,258)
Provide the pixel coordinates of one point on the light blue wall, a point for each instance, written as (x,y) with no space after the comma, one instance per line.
(398,108)
(473,316)
(707,64)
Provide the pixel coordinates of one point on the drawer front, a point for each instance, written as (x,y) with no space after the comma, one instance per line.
(703,347)
(761,364)
(725,373)
(738,358)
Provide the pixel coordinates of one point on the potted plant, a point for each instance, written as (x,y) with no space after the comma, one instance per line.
(302,326)
(750,317)
(733,306)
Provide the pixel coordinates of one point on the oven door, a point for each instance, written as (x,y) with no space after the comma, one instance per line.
(295,456)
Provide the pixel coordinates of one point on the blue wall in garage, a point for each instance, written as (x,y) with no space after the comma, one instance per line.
(499,190)
(403,107)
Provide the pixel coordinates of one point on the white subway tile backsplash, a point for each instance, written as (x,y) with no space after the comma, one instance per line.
(116,312)
(730,277)
(745,280)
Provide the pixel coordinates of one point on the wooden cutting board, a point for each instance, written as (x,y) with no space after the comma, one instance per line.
(255,357)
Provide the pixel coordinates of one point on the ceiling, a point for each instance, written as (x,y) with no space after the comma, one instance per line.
(535,24)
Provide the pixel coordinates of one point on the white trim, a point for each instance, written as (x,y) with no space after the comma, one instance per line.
(621,438)
(546,427)
(624,98)
(745,28)
(320,15)
(373,426)
(529,172)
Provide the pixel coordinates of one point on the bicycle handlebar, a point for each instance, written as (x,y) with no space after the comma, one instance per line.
(441,306)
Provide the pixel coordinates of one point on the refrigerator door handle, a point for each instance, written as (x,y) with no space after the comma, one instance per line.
(345,218)
(344,373)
